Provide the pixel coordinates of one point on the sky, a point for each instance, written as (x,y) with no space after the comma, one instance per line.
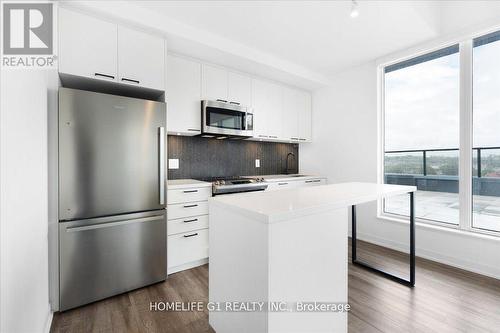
(422,102)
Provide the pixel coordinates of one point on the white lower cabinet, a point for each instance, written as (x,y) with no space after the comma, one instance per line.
(187,224)
(187,209)
(187,227)
(185,248)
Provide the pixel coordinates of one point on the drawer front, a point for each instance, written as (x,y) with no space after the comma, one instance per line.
(187,224)
(188,195)
(107,256)
(314,182)
(179,211)
(187,247)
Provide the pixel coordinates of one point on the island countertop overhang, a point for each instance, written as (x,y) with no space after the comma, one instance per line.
(283,205)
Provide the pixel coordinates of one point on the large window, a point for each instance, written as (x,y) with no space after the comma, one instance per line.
(444,137)
(486,133)
(422,133)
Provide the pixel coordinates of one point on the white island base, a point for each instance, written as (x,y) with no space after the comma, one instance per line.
(283,246)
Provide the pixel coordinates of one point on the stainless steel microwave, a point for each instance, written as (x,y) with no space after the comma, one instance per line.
(220,118)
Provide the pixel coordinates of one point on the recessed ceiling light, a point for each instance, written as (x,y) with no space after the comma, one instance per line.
(354,9)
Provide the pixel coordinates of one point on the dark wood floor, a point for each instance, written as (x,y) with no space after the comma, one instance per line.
(445,299)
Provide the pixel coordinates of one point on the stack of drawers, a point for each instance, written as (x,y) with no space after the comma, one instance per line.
(187,227)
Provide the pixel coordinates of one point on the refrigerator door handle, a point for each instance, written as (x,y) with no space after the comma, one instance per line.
(162,164)
(114,224)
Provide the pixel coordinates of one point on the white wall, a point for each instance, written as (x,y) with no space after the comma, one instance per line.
(344,148)
(24,303)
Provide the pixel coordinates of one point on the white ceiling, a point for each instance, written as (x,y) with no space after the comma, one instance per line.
(319,35)
(299,42)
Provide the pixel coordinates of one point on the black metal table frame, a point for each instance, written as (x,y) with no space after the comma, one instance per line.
(355,261)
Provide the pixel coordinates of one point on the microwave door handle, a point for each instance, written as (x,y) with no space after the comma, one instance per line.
(161,161)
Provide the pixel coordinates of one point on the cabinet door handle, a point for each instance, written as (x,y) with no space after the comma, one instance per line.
(190,191)
(188,221)
(195,234)
(294,138)
(282,183)
(222,100)
(190,206)
(301,139)
(313,181)
(105,75)
(262,136)
(130,80)
(194,130)
(273,136)
(235,103)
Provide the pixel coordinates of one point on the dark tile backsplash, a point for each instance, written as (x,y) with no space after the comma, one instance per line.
(203,157)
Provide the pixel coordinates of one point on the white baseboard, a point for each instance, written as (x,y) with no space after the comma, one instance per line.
(467,265)
(189,265)
(48,322)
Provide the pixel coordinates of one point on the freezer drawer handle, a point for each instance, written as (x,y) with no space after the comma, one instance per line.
(195,234)
(190,191)
(104,75)
(282,183)
(115,223)
(161,168)
(188,221)
(313,181)
(190,206)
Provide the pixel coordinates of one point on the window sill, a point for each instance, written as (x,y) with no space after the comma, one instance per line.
(453,229)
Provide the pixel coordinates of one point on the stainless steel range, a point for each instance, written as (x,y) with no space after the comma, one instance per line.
(226,185)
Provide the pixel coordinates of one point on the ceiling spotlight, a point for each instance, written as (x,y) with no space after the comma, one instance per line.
(354,9)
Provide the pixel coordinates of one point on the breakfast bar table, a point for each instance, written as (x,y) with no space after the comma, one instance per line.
(278,259)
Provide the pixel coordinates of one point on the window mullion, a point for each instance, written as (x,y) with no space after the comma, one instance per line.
(465,156)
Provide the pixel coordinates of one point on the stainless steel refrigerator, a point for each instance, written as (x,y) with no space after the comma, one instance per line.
(112,217)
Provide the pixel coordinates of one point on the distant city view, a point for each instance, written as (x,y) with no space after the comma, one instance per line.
(422,134)
(441,163)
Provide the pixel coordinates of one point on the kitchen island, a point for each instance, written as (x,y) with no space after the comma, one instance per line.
(276,257)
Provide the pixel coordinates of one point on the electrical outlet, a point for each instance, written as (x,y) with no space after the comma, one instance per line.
(173,163)
(257,163)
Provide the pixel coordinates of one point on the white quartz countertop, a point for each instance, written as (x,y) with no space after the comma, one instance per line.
(288,178)
(176,184)
(282,205)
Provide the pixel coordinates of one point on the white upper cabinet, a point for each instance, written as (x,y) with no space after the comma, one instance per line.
(296,115)
(98,49)
(87,46)
(183,96)
(214,83)
(239,89)
(292,104)
(141,59)
(267,107)
(305,117)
